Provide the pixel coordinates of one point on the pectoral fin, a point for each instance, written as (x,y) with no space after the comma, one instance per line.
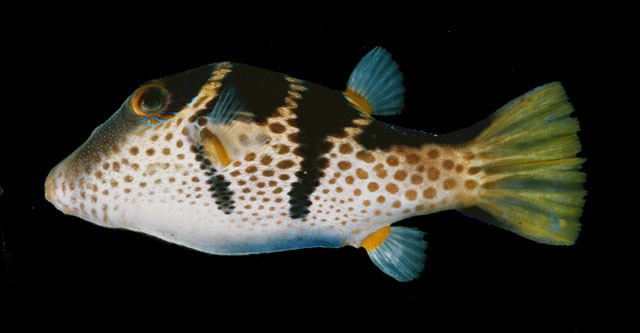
(228,132)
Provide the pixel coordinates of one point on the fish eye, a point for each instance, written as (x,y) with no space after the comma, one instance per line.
(149,100)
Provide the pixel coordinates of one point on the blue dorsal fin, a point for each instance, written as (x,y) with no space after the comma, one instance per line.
(375,85)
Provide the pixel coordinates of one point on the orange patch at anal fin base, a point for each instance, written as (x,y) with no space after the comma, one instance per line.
(397,251)
(375,239)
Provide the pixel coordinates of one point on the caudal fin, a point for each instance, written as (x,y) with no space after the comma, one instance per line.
(526,157)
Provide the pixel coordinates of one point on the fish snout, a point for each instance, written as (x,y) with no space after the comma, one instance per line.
(57,189)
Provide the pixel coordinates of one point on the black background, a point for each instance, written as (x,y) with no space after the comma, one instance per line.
(68,73)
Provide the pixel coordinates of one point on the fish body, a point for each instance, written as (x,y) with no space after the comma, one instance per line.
(231,159)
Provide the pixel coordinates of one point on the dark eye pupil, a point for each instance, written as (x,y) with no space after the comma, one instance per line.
(152,100)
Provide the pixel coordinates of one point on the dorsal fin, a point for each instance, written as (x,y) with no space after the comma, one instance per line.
(228,132)
(375,85)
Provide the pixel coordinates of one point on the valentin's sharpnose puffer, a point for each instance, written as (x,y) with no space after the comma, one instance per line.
(231,159)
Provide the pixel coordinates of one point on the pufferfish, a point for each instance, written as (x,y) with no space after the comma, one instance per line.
(231,159)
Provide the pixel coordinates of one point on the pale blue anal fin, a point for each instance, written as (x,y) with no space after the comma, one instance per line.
(397,251)
(375,85)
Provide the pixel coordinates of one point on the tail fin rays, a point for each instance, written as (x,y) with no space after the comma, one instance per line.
(532,184)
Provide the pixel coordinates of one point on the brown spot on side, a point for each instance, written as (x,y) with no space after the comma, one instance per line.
(283,149)
(433,153)
(449,183)
(381,199)
(250,157)
(154,137)
(433,173)
(134,150)
(345,148)
(285,164)
(365,156)
(327,146)
(392,188)
(268,173)
(323,163)
(114,183)
(396,204)
(179,143)
(184,131)
(373,186)
(357,192)
(459,168)
(474,170)
(98,174)
(400,175)
(293,137)
(266,160)
(361,174)
(283,177)
(168,136)
(128,178)
(344,165)
(277,128)
(416,179)
(411,195)
(429,193)
(413,158)
(166,151)
(393,161)
(447,164)
(349,180)
(381,173)
(469,156)
(115,166)
(298,151)
(470,184)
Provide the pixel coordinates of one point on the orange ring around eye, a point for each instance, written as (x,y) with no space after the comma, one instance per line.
(141,91)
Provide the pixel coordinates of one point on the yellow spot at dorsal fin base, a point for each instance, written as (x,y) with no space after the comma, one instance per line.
(358,102)
(214,148)
(375,239)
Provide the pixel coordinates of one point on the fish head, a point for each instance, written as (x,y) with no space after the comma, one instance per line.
(133,163)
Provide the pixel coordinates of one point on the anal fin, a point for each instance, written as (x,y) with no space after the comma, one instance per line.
(397,251)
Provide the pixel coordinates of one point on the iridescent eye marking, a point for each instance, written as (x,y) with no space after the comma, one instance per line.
(155,105)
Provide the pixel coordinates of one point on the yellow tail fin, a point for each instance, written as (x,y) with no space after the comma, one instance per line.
(531,183)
